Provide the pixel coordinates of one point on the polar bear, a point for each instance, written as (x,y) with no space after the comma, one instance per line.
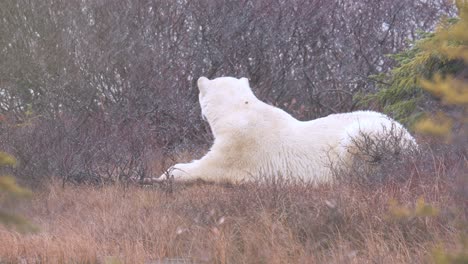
(253,139)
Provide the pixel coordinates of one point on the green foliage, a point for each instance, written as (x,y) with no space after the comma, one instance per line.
(437,64)
(112,260)
(442,256)
(401,94)
(451,42)
(10,190)
(6,160)
(421,209)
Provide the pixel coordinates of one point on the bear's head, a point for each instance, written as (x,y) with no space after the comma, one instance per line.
(224,101)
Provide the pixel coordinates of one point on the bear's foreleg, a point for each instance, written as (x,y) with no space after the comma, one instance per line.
(182,171)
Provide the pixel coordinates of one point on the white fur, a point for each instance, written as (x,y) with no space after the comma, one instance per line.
(254,139)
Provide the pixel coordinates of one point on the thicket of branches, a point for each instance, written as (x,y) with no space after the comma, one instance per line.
(94,90)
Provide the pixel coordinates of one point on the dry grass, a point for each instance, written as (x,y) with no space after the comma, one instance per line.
(273,222)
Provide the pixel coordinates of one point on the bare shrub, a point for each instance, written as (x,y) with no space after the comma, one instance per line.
(377,157)
(92,88)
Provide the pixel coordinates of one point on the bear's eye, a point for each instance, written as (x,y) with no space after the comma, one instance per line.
(246,102)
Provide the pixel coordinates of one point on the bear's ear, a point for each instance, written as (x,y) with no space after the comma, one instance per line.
(245,80)
(202,81)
